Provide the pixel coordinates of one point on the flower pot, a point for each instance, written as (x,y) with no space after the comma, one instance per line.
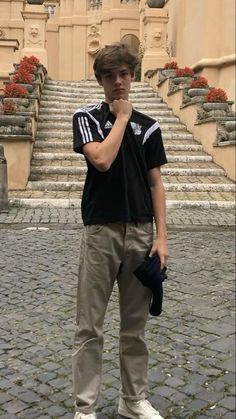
(168,72)
(156,3)
(199,91)
(13,120)
(23,104)
(35,1)
(230,126)
(27,86)
(181,80)
(213,106)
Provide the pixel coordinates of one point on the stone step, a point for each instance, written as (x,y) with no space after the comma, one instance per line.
(63,107)
(67,135)
(74,157)
(93,89)
(169,187)
(188,171)
(220,182)
(62,117)
(72,199)
(57,109)
(62,146)
(56,125)
(88,83)
(95,95)
(88,100)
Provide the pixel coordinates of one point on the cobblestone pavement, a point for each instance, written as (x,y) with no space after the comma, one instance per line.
(175,217)
(191,345)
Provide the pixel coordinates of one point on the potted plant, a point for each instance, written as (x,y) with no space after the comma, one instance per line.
(171,65)
(31,60)
(156,3)
(216,105)
(10,123)
(8,107)
(216,95)
(169,69)
(15,90)
(24,77)
(216,99)
(183,75)
(198,87)
(35,1)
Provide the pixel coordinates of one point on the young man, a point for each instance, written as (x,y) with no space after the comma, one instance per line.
(123,192)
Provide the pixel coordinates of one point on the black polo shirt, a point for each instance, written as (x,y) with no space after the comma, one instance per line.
(122,193)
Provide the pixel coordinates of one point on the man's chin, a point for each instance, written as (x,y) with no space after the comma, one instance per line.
(120,95)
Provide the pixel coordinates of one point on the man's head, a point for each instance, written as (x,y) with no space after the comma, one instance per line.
(114,56)
(114,69)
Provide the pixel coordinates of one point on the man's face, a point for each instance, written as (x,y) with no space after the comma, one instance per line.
(116,83)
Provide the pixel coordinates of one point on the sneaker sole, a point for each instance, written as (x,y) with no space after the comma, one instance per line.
(123,415)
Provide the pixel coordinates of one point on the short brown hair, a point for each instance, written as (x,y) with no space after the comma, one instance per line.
(112,56)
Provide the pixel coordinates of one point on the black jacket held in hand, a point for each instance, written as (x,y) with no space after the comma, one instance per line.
(150,275)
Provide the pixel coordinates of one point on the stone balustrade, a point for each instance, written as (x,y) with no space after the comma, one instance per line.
(212,124)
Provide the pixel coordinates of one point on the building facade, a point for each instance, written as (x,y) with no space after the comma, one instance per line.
(67,34)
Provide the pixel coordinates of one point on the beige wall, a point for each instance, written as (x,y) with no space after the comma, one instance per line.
(201,33)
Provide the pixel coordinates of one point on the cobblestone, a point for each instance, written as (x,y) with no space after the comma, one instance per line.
(179,218)
(191,345)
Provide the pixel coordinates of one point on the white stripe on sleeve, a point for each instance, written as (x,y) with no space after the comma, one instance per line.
(84,129)
(149,132)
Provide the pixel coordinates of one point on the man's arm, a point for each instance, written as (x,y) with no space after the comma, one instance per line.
(101,155)
(160,245)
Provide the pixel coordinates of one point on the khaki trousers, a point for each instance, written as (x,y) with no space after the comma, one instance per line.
(111,252)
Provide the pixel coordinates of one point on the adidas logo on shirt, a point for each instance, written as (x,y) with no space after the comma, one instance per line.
(108,125)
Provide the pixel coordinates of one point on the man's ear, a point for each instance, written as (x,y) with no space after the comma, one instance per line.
(132,75)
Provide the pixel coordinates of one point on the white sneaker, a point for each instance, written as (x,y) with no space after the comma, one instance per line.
(140,409)
(79,415)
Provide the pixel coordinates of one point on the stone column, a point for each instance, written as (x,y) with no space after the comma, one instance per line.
(35,33)
(153,31)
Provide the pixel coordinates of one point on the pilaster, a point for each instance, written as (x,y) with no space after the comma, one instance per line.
(153,29)
(35,33)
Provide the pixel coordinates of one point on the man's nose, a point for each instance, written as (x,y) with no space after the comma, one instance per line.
(117,79)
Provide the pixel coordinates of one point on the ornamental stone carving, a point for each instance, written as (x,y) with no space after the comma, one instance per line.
(34,35)
(157,39)
(2,34)
(94,40)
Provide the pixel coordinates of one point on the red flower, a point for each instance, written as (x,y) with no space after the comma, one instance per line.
(184,72)
(14,90)
(171,65)
(27,66)
(22,75)
(201,82)
(31,60)
(8,106)
(216,95)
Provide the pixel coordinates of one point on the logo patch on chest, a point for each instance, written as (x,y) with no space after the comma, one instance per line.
(136,128)
(108,125)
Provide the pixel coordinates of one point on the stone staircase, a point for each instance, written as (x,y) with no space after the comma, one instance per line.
(57,173)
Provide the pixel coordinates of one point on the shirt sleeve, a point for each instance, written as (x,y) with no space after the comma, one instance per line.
(85,129)
(154,150)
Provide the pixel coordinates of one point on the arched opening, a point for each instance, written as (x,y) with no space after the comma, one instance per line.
(133,42)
